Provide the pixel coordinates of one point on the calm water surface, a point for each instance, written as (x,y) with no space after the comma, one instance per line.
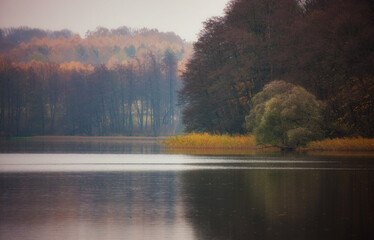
(121,189)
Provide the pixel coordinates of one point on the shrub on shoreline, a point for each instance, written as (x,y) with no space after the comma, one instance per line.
(285,115)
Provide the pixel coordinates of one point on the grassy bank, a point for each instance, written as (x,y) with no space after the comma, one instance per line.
(343,144)
(206,140)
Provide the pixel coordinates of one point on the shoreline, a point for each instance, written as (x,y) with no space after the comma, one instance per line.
(220,142)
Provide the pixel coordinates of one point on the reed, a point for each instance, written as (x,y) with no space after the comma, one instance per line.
(209,141)
(343,144)
(206,140)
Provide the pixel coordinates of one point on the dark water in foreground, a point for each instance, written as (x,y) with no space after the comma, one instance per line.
(58,191)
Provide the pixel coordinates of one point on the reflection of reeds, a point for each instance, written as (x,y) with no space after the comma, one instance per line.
(343,144)
(206,140)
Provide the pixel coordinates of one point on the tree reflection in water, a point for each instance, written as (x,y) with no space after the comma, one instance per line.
(280,204)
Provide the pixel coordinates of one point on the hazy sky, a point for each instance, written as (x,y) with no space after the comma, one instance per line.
(183,17)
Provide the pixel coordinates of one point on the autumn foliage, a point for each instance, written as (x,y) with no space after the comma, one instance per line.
(324,46)
(101,46)
(113,82)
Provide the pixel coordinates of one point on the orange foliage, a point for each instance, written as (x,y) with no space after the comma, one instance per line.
(102,49)
(76,66)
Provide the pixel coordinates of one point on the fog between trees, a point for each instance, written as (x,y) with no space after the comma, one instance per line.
(134,94)
(55,83)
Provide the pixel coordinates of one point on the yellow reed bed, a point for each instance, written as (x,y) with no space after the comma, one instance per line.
(343,144)
(206,140)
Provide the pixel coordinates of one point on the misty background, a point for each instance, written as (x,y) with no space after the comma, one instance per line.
(184,17)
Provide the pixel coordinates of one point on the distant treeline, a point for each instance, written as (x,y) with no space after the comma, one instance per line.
(134,98)
(111,82)
(11,37)
(326,46)
(101,46)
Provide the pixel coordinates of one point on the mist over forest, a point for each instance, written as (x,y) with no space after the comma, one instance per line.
(112,82)
(263,128)
(129,81)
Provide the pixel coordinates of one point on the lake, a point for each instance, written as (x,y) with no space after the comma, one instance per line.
(122,188)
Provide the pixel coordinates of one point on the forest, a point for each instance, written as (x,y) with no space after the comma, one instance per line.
(324,46)
(128,81)
(113,82)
